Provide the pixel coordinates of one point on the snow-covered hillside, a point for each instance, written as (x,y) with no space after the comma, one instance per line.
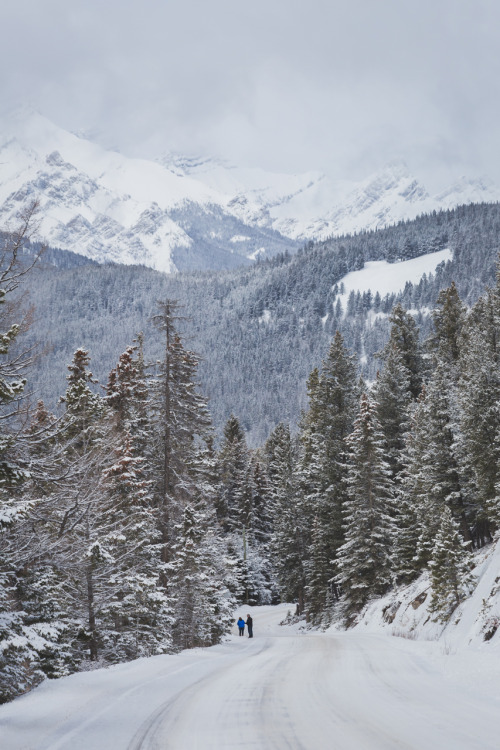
(389,278)
(186,213)
(404,611)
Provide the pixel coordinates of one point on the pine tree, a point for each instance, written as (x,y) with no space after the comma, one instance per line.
(404,338)
(439,469)
(244,516)
(319,603)
(180,425)
(450,567)
(84,407)
(102,529)
(332,407)
(128,397)
(44,623)
(134,615)
(234,504)
(202,607)
(448,317)
(23,641)
(288,544)
(478,391)
(72,507)
(184,474)
(393,399)
(257,527)
(365,558)
(261,526)
(410,501)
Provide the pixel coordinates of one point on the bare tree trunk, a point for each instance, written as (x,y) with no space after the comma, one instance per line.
(165,321)
(166,438)
(91,614)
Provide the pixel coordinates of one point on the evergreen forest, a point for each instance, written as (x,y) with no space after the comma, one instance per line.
(259,330)
(345,457)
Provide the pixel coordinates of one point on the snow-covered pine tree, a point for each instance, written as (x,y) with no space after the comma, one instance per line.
(319,603)
(72,507)
(479,390)
(128,397)
(105,538)
(234,505)
(201,603)
(184,473)
(180,425)
(364,560)
(261,525)
(134,615)
(439,469)
(13,367)
(256,524)
(404,337)
(288,544)
(450,566)
(121,388)
(333,397)
(448,317)
(84,407)
(137,615)
(244,516)
(410,499)
(47,625)
(22,642)
(393,400)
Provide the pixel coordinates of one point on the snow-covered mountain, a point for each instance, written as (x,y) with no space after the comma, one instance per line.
(312,206)
(181,213)
(108,207)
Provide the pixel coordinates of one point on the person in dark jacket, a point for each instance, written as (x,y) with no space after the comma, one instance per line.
(250,626)
(241,625)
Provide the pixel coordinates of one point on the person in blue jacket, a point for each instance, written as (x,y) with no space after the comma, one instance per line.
(241,626)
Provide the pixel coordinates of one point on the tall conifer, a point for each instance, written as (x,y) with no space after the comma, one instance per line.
(365,558)
(333,395)
(450,567)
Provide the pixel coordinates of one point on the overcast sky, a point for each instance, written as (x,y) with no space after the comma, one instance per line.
(290,85)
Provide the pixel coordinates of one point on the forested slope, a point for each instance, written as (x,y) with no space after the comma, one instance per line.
(259,330)
(130,526)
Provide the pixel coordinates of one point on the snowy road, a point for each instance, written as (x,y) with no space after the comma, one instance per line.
(281,690)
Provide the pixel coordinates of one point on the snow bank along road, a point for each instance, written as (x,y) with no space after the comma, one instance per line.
(280,690)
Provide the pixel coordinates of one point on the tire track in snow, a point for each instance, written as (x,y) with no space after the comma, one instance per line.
(316,692)
(279,691)
(184,720)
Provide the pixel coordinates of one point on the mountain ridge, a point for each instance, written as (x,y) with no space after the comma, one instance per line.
(193,213)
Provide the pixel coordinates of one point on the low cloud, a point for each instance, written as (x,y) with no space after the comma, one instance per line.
(283,84)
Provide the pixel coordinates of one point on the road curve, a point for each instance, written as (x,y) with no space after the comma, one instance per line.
(315,692)
(280,690)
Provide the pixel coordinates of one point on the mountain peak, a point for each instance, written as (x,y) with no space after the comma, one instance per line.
(398,168)
(469,190)
(190,164)
(191,211)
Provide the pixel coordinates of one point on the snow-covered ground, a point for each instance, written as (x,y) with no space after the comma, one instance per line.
(283,689)
(404,612)
(390,278)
